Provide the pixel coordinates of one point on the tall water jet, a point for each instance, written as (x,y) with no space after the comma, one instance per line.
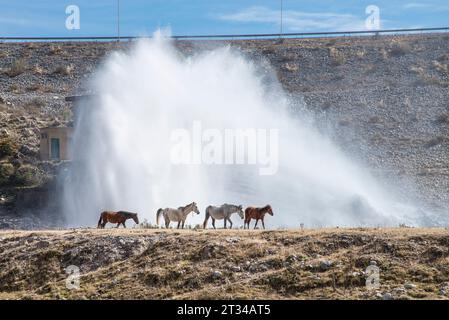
(128,140)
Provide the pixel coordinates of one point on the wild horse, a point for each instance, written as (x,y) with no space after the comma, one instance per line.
(116,217)
(256,213)
(179,215)
(223,212)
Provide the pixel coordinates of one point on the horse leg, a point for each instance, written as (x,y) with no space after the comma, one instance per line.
(183,221)
(118,224)
(167,223)
(263,224)
(213,223)
(179,223)
(224,223)
(257,220)
(229,219)
(124,224)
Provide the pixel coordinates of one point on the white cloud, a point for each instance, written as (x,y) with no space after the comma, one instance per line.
(297,21)
(426,6)
(415,5)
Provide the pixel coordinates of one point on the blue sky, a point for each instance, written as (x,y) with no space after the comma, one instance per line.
(142,17)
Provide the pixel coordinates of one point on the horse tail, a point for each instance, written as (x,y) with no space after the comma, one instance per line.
(158,215)
(206,218)
(99,221)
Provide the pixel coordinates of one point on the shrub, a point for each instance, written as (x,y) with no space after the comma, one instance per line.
(436,141)
(56,50)
(14,88)
(64,70)
(27,175)
(35,103)
(38,70)
(6,171)
(440,67)
(400,49)
(337,57)
(443,118)
(34,87)
(8,147)
(17,68)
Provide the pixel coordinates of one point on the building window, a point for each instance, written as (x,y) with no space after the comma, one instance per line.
(54,149)
(44,136)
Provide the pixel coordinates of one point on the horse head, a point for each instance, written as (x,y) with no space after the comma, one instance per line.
(269,210)
(135,218)
(240,211)
(195,208)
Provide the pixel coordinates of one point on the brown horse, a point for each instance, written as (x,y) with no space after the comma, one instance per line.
(116,217)
(256,213)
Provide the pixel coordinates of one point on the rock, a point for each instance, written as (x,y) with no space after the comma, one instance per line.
(216,274)
(373,263)
(207,252)
(235,269)
(42,244)
(409,286)
(27,151)
(233,239)
(399,290)
(263,267)
(325,265)
(387,296)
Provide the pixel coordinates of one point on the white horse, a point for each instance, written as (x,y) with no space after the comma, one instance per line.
(178,215)
(223,212)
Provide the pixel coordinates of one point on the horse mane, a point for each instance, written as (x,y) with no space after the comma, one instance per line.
(182,208)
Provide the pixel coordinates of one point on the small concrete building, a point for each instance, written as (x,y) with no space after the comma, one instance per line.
(55,143)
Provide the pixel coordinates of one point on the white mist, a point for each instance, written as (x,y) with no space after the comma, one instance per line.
(122,145)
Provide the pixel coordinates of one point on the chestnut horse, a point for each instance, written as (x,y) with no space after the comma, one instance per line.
(116,217)
(256,213)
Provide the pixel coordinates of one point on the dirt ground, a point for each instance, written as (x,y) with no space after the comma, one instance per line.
(225,264)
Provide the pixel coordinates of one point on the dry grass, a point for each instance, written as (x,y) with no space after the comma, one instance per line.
(56,50)
(440,67)
(428,79)
(64,70)
(337,57)
(38,70)
(223,264)
(18,67)
(360,54)
(399,49)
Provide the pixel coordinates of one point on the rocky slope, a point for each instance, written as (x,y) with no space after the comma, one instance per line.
(384,100)
(237,264)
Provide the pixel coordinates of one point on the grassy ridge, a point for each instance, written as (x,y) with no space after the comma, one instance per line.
(167,264)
